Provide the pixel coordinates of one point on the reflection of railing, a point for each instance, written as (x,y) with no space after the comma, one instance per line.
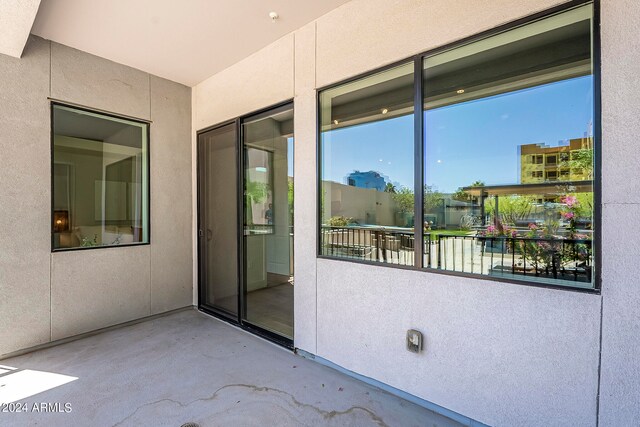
(381,244)
(538,260)
(532,258)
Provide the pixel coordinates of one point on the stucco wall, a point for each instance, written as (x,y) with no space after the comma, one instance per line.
(45,296)
(620,373)
(499,353)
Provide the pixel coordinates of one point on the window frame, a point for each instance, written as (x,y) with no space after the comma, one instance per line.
(419,149)
(147,123)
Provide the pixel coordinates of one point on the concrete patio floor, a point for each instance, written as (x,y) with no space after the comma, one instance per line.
(190,367)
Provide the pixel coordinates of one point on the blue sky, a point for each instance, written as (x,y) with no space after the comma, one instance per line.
(469,141)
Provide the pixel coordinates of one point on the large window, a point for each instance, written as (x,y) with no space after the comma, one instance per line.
(507,147)
(367,173)
(100,180)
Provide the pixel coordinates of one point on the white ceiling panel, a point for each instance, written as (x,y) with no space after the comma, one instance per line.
(16,19)
(185,41)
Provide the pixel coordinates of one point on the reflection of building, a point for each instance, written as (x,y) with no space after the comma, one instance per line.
(363,205)
(540,163)
(371,179)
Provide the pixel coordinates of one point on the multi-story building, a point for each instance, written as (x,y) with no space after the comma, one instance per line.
(370,179)
(541,163)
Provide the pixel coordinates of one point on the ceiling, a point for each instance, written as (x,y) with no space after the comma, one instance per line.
(96,127)
(184,41)
(16,19)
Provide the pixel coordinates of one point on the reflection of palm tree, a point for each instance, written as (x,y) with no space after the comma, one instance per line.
(390,188)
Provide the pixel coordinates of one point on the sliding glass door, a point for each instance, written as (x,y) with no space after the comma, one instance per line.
(245,211)
(218,215)
(268,220)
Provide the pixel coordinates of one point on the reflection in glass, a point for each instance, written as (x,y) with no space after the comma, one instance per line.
(367,172)
(217,163)
(100,180)
(258,190)
(509,153)
(268,221)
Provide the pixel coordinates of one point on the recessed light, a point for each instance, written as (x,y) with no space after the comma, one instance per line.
(335,122)
(460,91)
(385,110)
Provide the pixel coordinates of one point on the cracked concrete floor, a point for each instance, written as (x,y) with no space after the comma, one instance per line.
(189,367)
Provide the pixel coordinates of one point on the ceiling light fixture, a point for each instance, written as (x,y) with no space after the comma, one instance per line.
(385,110)
(273,16)
(335,122)
(460,91)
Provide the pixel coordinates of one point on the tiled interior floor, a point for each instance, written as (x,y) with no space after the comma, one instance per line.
(189,367)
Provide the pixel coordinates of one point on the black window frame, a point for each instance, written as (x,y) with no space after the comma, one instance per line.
(419,150)
(147,123)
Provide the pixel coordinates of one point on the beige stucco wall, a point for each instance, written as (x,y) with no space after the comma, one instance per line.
(620,373)
(499,353)
(47,296)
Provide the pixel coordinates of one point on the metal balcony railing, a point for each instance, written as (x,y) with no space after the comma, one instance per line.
(548,260)
(382,244)
(537,259)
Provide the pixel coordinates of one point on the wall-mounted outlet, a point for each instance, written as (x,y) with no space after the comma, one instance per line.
(414,341)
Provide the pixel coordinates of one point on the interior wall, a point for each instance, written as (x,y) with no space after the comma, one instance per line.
(87,165)
(47,296)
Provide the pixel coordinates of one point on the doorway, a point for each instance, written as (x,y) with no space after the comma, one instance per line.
(245,214)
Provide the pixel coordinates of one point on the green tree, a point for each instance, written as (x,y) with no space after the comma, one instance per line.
(390,188)
(433,199)
(463,196)
(584,207)
(404,199)
(581,160)
(255,192)
(511,209)
(290,200)
(340,221)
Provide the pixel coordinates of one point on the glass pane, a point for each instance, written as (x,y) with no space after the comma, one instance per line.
(219,219)
(268,221)
(509,154)
(367,173)
(100,180)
